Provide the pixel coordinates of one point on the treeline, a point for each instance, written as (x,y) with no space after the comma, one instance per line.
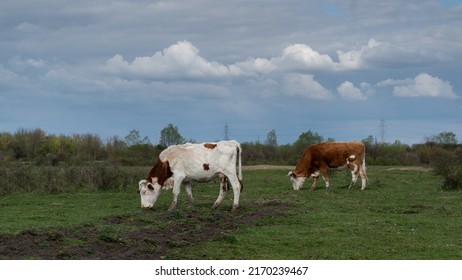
(36,147)
(61,163)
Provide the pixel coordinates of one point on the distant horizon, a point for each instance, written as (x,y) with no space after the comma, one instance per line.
(261,140)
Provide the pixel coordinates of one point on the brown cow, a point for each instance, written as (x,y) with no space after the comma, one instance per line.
(318,158)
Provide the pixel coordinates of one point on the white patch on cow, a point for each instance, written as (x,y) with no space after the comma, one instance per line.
(148,192)
(297,182)
(355,168)
(316,173)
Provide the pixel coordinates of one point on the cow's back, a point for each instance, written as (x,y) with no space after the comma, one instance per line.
(334,154)
(201,159)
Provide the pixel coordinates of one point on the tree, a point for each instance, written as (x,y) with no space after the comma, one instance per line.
(305,139)
(88,146)
(271,139)
(133,138)
(308,138)
(444,138)
(169,135)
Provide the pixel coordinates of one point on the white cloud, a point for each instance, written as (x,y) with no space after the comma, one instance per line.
(391,82)
(182,60)
(423,85)
(27,27)
(305,86)
(303,57)
(354,59)
(38,63)
(348,91)
(254,65)
(177,61)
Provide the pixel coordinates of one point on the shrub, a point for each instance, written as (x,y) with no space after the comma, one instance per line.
(448,164)
(62,179)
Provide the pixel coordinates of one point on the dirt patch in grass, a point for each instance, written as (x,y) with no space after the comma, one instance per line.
(146,235)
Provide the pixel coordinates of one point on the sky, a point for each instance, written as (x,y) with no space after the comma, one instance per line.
(334,67)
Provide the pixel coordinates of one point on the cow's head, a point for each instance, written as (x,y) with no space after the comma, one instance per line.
(149,192)
(297,181)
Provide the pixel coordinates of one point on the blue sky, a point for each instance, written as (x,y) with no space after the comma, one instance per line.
(333,67)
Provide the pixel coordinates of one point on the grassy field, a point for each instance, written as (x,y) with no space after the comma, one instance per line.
(402,214)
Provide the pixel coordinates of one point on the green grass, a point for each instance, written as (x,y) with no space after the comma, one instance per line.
(26,211)
(400,215)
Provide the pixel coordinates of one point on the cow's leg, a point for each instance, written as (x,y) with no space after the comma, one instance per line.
(175,191)
(354,179)
(353,166)
(325,176)
(362,173)
(236,184)
(188,189)
(313,185)
(315,176)
(223,190)
(354,175)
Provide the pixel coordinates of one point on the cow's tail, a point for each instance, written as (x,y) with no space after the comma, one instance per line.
(364,162)
(239,166)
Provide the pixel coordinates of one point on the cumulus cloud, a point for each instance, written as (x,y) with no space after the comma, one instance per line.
(305,86)
(354,59)
(179,60)
(423,85)
(302,57)
(182,60)
(348,91)
(386,54)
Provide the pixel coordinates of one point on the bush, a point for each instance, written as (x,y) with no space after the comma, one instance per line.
(448,164)
(62,179)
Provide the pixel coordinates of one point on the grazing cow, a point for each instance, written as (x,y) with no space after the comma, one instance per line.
(183,164)
(318,158)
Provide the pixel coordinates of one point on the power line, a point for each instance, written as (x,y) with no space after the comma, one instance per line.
(382,127)
(226,132)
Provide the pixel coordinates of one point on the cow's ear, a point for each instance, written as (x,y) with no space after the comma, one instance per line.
(151,187)
(291,173)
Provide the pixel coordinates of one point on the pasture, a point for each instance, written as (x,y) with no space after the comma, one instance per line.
(402,214)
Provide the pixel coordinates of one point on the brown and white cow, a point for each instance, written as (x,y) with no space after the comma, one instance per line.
(183,164)
(318,158)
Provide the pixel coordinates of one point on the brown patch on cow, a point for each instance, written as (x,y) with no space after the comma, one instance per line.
(206,166)
(161,171)
(210,145)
